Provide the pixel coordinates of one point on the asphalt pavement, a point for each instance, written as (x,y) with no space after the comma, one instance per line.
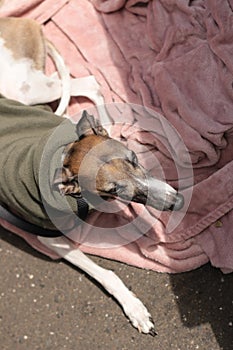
(46,305)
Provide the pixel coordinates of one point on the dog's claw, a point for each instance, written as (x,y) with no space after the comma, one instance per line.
(153,332)
(152,329)
(151,319)
(146,327)
(139,316)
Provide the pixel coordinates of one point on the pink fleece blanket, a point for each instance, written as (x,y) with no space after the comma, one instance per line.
(173,57)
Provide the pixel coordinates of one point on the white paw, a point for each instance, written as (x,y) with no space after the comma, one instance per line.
(140,317)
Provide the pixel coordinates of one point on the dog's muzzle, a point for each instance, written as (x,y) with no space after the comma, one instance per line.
(160,195)
(179,203)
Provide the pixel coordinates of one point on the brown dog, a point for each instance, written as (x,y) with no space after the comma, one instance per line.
(99,166)
(23,54)
(93,165)
(23,51)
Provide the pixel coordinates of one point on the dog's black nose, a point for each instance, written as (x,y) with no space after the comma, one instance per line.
(179,202)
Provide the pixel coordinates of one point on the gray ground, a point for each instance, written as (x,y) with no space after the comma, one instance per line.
(50,305)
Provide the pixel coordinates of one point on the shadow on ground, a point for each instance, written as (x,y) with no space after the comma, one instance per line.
(206,296)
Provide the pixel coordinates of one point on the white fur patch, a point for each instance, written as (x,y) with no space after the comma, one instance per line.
(20,81)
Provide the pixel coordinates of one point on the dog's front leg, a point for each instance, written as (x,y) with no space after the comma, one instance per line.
(132,306)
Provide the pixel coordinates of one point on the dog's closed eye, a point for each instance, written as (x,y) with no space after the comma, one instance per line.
(116,189)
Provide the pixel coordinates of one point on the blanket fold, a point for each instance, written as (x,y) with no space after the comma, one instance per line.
(173,58)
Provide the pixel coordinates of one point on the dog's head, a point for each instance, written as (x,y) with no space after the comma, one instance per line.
(105,167)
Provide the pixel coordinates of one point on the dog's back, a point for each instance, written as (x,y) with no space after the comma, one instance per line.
(22,36)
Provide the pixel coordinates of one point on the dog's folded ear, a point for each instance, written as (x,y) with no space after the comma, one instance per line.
(88,125)
(65,183)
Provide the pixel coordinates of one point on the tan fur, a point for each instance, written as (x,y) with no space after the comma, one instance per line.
(24,38)
(78,150)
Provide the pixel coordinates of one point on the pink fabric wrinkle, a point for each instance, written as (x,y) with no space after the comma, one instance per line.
(16,9)
(41,10)
(108,6)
